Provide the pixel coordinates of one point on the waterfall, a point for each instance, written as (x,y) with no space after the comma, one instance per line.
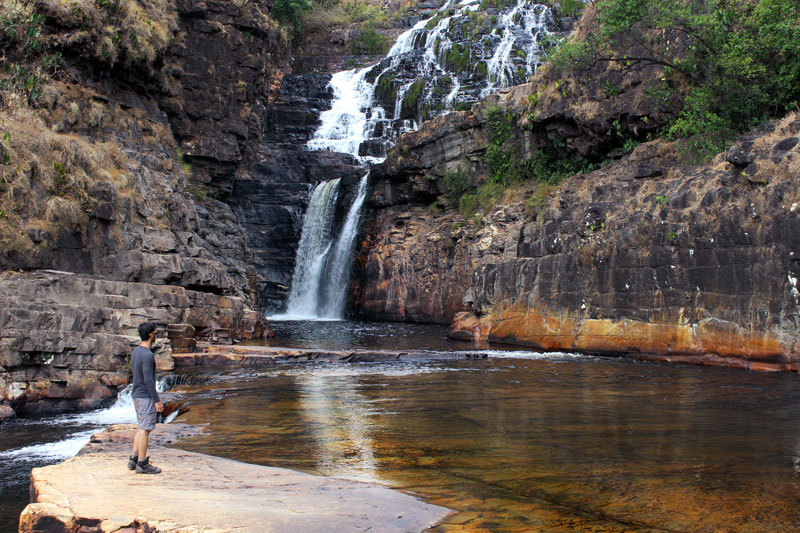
(445,62)
(528,24)
(322,268)
(335,291)
(315,242)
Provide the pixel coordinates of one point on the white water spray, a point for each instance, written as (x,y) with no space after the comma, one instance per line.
(419,61)
(322,268)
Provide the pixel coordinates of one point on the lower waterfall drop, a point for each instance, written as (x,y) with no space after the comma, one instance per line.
(322,267)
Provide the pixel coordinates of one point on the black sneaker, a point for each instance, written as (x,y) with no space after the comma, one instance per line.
(144,467)
(132,460)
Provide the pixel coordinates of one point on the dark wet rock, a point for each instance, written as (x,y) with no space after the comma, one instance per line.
(6,413)
(647,171)
(786,144)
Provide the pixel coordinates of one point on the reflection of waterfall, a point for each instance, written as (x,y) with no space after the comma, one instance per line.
(443,63)
(340,426)
(322,267)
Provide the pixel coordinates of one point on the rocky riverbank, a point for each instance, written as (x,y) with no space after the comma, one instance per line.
(652,253)
(66,337)
(643,256)
(197,492)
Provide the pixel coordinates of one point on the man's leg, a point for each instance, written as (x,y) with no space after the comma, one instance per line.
(134,458)
(143,436)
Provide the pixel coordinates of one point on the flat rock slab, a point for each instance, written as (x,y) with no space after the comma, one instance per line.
(197,492)
(212,355)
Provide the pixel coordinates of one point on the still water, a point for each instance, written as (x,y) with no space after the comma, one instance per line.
(543,443)
(514,442)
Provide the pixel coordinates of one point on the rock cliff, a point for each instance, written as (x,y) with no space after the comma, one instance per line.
(648,254)
(114,170)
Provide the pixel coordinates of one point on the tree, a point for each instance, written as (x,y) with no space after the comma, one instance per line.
(740,60)
(290,12)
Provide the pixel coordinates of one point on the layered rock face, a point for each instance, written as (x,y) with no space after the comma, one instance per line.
(647,255)
(99,188)
(67,338)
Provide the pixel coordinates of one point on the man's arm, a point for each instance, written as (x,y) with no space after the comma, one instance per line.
(148,373)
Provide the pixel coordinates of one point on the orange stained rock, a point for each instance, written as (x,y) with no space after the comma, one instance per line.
(710,342)
(727,338)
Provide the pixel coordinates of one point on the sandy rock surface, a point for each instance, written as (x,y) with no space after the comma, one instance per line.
(197,492)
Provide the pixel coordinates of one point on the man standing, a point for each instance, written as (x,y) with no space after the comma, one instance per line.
(145,398)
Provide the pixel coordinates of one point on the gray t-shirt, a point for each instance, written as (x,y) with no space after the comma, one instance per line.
(143,364)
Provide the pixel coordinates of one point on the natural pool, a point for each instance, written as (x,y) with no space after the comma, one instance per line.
(515,442)
(549,443)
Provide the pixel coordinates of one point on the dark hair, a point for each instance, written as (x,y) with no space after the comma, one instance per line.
(145,329)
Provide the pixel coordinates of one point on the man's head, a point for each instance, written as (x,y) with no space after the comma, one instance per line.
(146,329)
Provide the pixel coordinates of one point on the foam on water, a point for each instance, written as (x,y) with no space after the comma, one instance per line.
(50,451)
(545,356)
(121,412)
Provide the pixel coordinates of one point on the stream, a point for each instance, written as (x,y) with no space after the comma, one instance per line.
(516,441)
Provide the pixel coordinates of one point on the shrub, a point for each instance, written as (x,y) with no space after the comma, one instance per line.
(740,62)
(290,12)
(370,41)
(409,105)
(457,182)
(467,205)
(501,150)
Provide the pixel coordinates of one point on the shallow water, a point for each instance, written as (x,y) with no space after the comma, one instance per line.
(517,442)
(549,444)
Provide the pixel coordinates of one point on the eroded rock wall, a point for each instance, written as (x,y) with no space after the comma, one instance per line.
(118,174)
(647,255)
(67,338)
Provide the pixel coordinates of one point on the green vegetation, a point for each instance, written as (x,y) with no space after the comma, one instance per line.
(501,151)
(290,13)
(409,105)
(198,193)
(26,63)
(187,167)
(737,62)
(570,8)
(458,58)
(370,41)
(458,182)
(325,15)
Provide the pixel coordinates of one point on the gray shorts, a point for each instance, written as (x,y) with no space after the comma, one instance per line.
(145,413)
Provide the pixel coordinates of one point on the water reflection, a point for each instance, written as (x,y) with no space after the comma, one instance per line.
(338,418)
(532,445)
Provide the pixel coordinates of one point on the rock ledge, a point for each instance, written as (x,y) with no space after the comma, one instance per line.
(95,492)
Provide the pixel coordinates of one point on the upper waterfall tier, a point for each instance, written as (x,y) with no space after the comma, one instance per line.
(443,63)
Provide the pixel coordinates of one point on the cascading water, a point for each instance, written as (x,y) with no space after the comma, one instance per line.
(451,59)
(315,243)
(322,270)
(334,292)
(446,62)
(528,24)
